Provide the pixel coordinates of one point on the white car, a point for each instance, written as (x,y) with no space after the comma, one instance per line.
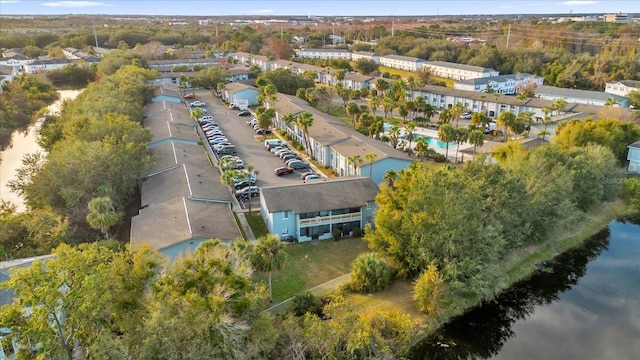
(198,104)
(207,118)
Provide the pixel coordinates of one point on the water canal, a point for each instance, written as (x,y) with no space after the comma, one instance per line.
(584,305)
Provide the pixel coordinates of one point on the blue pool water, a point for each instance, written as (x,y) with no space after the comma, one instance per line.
(432,142)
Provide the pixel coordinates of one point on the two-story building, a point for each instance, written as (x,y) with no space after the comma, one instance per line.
(324,54)
(577,96)
(457,71)
(402,62)
(46,65)
(373,56)
(622,87)
(633,156)
(356,81)
(235,91)
(502,84)
(314,209)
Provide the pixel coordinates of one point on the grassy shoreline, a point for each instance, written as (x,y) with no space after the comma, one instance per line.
(522,264)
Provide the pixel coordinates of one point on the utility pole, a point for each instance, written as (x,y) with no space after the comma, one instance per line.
(95,35)
(508,35)
(393,27)
(281,33)
(217,41)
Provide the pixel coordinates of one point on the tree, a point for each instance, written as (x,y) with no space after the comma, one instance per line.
(546,120)
(366,66)
(462,135)
(354,110)
(75,296)
(305,121)
(102,215)
(394,135)
(479,119)
(447,133)
(559,105)
(526,118)
(429,290)
(422,147)
(382,86)
(476,138)
(611,102)
(197,113)
(371,157)
(265,119)
(410,128)
(370,273)
(506,119)
(456,112)
(634,98)
(390,177)
(388,104)
(374,103)
(268,256)
(355,161)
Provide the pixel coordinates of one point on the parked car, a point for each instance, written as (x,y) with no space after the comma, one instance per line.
(466,116)
(297,164)
(190,96)
(313,177)
(271,143)
(282,171)
(248,191)
(218,141)
(205,119)
(252,177)
(252,122)
(243,184)
(213,133)
(232,165)
(305,174)
(197,103)
(289,157)
(244,113)
(264,132)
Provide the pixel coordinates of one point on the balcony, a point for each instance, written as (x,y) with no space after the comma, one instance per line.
(331,219)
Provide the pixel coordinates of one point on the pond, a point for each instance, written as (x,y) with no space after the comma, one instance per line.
(585,304)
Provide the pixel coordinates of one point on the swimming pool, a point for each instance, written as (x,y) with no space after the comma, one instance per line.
(431,141)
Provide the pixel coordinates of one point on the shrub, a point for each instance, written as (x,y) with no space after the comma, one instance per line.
(357,232)
(370,273)
(429,290)
(306,303)
(337,234)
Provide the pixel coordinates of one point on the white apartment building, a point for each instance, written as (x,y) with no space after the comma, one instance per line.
(402,62)
(324,54)
(622,87)
(501,84)
(458,71)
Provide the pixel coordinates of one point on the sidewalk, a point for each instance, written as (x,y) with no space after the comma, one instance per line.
(245,226)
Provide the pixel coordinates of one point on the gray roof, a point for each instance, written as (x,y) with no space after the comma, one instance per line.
(575,93)
(235,87)
(320,195)
(327,50)
(366,53)
(354,76)
(458,66)
(403,58)
(629,83)
(635,145)
(6,296)
(499,78)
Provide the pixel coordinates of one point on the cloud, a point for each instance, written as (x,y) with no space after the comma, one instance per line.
(577,2)
(261,11)
(9,1)
(74,4)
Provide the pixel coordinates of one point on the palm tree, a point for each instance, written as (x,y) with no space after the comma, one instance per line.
(610,102)
(559,105)
(265,119)
(506,119)
(371,157)
(390,177)
(526,117)
(102,214)
(382,85)
(456,112)
(546,120)
(411,83)
(410,128)
(399,90)
(462,135)
(421,146)
(476,138)
(447,133)
(288,119)
(445,116)
(268,256)
(388,105)
(479,119)
(374,103)
(376,128)
(354,110)
(355,161)
(305,121)
(394,135)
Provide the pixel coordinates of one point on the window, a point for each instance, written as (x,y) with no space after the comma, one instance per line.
(285,215)
(285,230)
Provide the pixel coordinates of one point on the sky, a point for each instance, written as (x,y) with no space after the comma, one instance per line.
(316,7)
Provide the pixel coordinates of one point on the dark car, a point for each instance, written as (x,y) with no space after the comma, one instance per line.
(263,132)
(290,157)
(282,171)
(189,96)
(244,113)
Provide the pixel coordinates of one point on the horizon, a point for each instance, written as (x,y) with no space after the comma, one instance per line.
(279,8)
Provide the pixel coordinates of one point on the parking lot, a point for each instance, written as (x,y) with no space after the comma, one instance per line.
(249,146)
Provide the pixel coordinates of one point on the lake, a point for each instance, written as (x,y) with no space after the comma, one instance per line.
(585,304)
(25,143)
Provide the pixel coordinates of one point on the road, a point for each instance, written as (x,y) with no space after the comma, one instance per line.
(249,146)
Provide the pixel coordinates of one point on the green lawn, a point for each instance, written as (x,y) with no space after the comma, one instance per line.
(312,263)
(257,224)
(405,74)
